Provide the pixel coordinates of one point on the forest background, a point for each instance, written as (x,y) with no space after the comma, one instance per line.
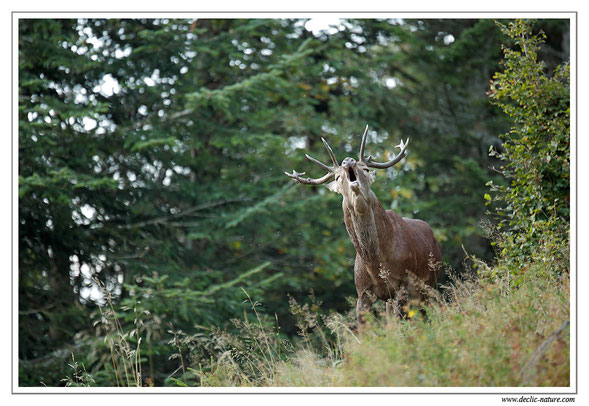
(153,203)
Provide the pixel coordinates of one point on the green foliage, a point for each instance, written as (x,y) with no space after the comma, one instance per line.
(137,200)
(535,214)
(80,377)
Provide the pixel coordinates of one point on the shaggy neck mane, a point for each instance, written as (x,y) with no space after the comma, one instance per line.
(366,230)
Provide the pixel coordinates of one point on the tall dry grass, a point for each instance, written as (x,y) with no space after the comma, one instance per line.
(480,333)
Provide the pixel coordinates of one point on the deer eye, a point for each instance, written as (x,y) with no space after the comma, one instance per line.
(337,177)
(367,170)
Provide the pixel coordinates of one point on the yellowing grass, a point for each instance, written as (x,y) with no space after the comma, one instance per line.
(487,334)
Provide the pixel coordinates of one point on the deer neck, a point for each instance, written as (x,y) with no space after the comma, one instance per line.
(365,219)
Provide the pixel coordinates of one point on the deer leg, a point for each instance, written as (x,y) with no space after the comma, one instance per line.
(389,308)
(363,306)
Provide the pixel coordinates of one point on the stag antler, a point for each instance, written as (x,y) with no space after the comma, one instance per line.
(296,176)
(368,161)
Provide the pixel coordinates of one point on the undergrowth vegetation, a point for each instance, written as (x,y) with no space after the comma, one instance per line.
(478,332)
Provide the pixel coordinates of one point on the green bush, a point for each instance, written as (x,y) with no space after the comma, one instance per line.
(534,213)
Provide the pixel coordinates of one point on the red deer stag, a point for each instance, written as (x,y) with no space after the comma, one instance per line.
(392,252)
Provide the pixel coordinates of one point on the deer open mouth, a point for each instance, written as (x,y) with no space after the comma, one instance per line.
(352,174)
(354,184)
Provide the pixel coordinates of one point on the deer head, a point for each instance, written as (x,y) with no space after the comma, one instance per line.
(352,179)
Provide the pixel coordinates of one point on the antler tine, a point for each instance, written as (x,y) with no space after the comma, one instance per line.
(310,158)
(397,158)
(296,176)
(363,143)
(331,154)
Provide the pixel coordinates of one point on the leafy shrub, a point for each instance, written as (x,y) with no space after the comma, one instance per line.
(534,216)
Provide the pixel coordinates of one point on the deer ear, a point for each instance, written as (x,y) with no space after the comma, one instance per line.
(372,176)
(334,186)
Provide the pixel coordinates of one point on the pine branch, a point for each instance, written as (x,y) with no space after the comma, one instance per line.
(166,219)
